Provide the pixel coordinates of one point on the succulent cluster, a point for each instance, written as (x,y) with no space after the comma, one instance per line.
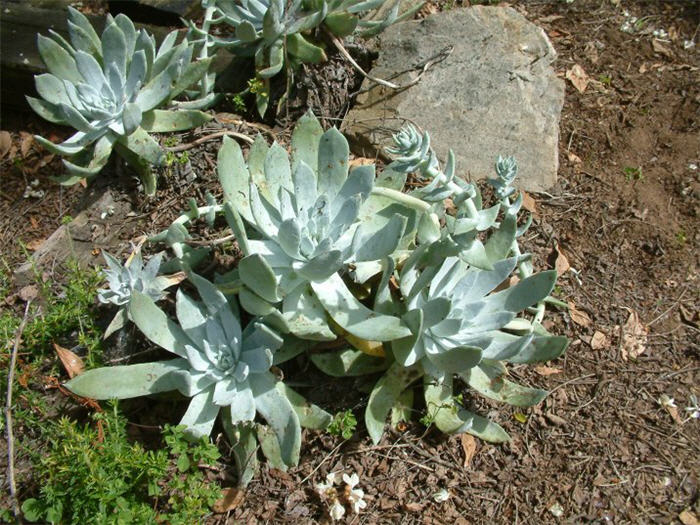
(109,89)
(278,34)
(403,288)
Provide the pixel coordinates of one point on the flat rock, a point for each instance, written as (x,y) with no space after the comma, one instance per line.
(96,226)
(495,94)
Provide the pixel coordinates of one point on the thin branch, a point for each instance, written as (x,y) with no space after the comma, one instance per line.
(428,63)
(8,418)
(206,138)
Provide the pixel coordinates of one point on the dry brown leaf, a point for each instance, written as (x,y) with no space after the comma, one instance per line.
(529,203)
(561,265)
(5,143)
(643,68)
(34,245)
(360,161)
(232,498)
(413,507)
(578,77)
(28,293)
(578,316)
(469,447)
(661,49)
(72,363)
(544,370)
(25,145)
(599,341)
(574,159)
(687,517)
(634,337)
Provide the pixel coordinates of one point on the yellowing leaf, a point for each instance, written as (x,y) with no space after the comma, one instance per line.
(520,417)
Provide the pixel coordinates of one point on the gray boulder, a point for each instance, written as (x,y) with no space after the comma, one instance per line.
(495,94)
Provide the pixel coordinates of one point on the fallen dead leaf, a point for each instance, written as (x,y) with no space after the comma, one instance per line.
(469,447)
(413,507)
(25,145)
(578,78)
(28,293)
(232,498)
(5,143)
(578,316)
(34,245)
(561,265)
(634,337)
(599,341)
(529,203)
(575,160)
(360,161)
(72,363)
(661,48)
(545,371)
(688,517)
(643,68)
(673,412)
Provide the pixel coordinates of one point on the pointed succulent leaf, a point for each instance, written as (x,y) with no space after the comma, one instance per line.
(234,177)
(200,415)
(488,381)
(310,415)
(155,325)
(333,151)
(353,316)
(244,447)
(127,381)
(385,395)
(379,244)
(441,407)
(483,428)
(257,275)
(305,315)
(348,363)
(542,348)
(58,61)
(305,143)
(164,121)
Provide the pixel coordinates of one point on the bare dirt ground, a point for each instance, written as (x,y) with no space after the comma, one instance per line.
(602,448)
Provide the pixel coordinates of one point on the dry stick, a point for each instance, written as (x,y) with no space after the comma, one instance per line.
(8,417)
(340,47)
(200,140)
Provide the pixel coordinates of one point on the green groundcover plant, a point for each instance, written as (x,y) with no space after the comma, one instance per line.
(418,288)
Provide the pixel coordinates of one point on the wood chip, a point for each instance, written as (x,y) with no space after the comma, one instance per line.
(688,517)
(469,447)
(231,499)
(360,161)
(71,362)
(578,78)
(579,317)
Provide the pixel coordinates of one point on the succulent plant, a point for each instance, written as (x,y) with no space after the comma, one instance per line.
(219,365)
(109,89)
(275,32)
(309,222)
(133,277)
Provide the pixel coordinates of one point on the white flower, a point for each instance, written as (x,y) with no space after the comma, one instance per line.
(666,401)
(324,489)
(441,496)
(355,496)
(337,510)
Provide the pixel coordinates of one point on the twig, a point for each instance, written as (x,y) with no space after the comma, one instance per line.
(340,47)
(201,140)
(213,242)
(8,417)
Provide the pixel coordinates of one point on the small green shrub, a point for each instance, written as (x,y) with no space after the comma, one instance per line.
(343,424)
(94,476)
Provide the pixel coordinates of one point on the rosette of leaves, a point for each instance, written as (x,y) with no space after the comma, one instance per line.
(276,33)
(132,277)
(307,220)
(109,88)
(223,368)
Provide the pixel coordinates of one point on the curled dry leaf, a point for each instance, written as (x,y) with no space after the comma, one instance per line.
(634,337)
(34,245)
(579,317)
(544,370)
(231,499)
(5,143)
(561,265)
(578,78)
(529,203)
(599,341)
(71,362)
(469,447)
(26,142)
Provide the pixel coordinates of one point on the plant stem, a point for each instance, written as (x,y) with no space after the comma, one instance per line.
(402,198)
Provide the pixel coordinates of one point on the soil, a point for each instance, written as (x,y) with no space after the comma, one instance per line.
(624,214)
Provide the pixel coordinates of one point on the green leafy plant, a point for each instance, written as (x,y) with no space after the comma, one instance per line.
(278,35)
(632,173)
(94,474)
(405,288)
(109,89)
(343,424)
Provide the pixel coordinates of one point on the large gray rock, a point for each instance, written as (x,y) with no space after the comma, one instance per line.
(496,94)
